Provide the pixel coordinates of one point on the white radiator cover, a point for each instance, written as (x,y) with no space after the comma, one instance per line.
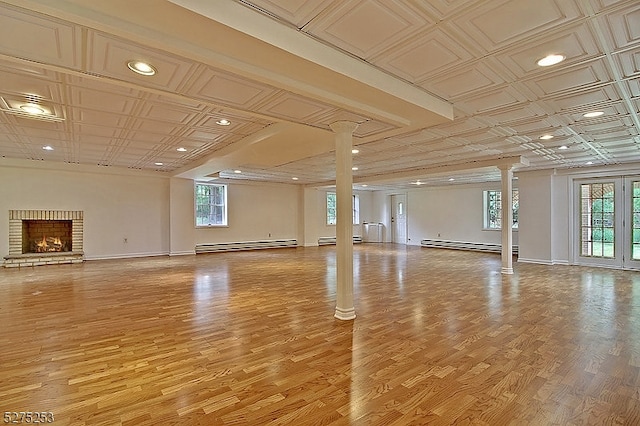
(327,241)
(244,245)
(460,245)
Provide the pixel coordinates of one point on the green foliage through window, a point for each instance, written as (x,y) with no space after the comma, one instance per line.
(597,221)
(332,211)
(493,209)
(211,204)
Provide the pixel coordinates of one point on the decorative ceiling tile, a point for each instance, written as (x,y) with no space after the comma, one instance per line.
(228,90)
(108,56)
(499,23)
(366,28)
(425,55)
(576,42)
(477,54)
(624,25)
(38,38)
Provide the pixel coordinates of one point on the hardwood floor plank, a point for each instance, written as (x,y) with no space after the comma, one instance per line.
(440,337)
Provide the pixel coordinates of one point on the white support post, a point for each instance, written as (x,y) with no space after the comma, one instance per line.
(344,226)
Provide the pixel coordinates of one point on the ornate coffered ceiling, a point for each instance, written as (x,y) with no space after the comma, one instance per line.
(439,88)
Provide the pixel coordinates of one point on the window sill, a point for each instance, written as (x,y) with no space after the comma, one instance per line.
(211,226)
(499,229)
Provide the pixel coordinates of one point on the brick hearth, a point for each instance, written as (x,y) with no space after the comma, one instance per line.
(17,258)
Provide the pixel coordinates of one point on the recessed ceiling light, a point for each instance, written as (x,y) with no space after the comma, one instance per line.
(237,171)
(416,183)
(354,168)
(451,179)
(47,148)
(181,149)
(563,147)
(32,109)
(546,137)
(593,114)
(141,68)
(364,185)
(294,178)
(589,163)
(550,60)
(355,151)
(159,164)
(223,122)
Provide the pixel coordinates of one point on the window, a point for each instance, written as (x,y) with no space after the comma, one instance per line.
(493,209)
(597,225)
(211,204)
(331,209)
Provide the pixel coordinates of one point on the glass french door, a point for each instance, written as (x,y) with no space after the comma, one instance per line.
(608,228)
(631,258)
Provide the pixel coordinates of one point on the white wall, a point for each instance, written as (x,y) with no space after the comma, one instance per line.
(256,211)
(560,219)
(117,204)
(315,214)
(451,213)
(535,217)
(155,213)
(182,208)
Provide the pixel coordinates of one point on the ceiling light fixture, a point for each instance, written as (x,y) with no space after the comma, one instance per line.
(32,109)
(223,122)
(364,185)
(451,179)
(355,151)
(417,183)
(563,147)
(47,148)
(593,114)
(294,178)
(181,149)
(354,168)
(142,68)
(237,171)
(589,163)
(159,164)
(546,137)
(551,60)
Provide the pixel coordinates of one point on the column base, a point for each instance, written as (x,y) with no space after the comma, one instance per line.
(345,314)
(507,271)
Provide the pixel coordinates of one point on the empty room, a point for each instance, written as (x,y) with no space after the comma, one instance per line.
(359,212)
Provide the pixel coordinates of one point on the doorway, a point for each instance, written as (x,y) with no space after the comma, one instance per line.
(607,231)
(399,218)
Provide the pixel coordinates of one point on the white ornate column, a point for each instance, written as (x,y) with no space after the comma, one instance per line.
(506,174)
(344,219)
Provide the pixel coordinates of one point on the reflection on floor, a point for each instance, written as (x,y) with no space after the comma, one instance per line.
(440,337)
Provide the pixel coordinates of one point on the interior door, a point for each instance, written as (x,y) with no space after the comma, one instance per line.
(399,219)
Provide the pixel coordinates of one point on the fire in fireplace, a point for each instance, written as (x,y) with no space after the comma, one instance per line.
(44,236)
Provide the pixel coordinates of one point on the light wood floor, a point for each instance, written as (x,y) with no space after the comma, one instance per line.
(249,338)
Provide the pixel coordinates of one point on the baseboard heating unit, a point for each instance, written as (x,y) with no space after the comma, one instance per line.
(459,245)
(327,241)
(244,245)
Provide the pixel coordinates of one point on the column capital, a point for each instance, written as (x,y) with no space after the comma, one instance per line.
(505,167)
(343,126)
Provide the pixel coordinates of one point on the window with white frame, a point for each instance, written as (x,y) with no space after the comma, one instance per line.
(211,204)
(331,209)
(493,209)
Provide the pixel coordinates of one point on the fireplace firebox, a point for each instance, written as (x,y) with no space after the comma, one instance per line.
(45,237)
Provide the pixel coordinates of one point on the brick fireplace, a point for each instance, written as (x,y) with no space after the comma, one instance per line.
(44,237)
